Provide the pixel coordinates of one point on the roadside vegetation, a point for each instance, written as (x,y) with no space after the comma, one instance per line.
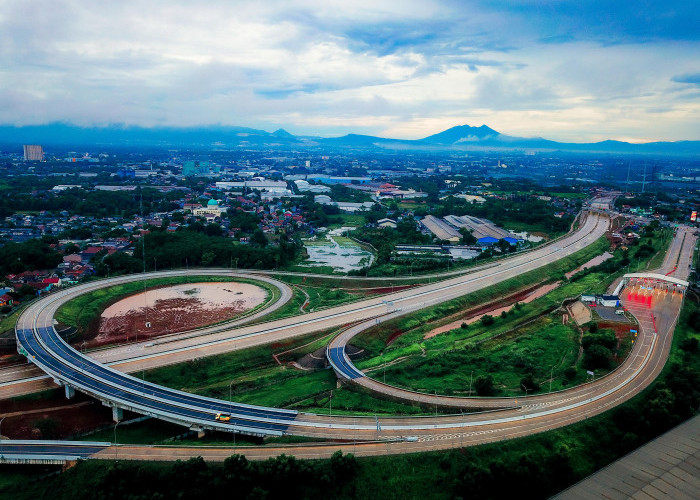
(263,376)
(523,351)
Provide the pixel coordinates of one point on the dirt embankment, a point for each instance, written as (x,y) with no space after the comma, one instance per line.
(492,308)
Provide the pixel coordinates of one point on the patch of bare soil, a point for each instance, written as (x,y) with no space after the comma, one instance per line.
(172,309)
(580,312)
(314,360)
(168,316)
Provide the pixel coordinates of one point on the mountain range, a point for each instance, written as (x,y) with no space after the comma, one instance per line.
(463,137)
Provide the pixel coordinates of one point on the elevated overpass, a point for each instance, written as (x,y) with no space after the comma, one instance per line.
(47,452)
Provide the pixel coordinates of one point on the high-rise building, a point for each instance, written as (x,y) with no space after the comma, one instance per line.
(33,152)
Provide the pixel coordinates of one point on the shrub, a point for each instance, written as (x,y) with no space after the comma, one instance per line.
(487,320)
(597,356)
(527,383)
(690,345)
(484,386)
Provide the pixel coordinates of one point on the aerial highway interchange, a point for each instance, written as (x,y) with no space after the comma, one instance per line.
(101,374)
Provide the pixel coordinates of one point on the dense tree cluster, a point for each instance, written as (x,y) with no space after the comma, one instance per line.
(197,248)
(91,203)
(282,477)
(28,256)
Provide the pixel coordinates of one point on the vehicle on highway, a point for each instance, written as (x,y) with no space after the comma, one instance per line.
(222,417)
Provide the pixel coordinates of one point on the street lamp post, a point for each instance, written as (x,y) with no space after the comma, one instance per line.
(115,441)
(230,409)
(82,350)
(230,399)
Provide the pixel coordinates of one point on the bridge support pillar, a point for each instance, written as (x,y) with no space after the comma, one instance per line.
(70,392)
(338,384)
(201,433)
(117,414)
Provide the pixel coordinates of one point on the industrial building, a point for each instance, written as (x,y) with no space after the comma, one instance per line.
(440,229)
(480,228)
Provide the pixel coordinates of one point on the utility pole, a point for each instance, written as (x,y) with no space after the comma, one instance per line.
(551,375)
(143,252)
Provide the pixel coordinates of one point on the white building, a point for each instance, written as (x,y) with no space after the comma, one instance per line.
(211,210)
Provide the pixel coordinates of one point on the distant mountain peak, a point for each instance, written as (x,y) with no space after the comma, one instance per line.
(280,132)
(462,133)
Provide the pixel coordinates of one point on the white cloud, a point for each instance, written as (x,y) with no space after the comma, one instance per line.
(405,69)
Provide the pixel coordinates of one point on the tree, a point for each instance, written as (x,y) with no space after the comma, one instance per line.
(487,320)
(26,291)
(467,237)
(213,229)
(527,383)
(606,338)
(71,248)
(484,385)
(597,356)
(259,238)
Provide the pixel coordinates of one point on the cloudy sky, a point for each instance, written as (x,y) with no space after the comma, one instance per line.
(568,70)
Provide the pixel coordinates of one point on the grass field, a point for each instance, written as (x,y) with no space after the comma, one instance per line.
(348,220)
(253,376)
(9,322)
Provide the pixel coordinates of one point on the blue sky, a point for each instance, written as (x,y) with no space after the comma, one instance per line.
(568,70)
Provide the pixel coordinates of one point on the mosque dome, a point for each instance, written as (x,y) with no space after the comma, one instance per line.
(212,203)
